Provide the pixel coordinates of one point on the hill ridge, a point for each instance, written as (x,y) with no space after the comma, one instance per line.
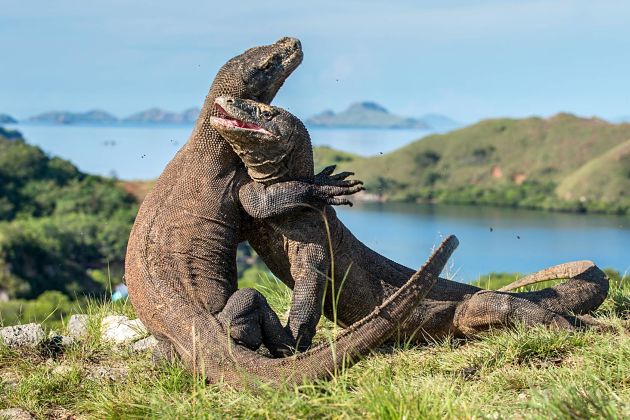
(502,161)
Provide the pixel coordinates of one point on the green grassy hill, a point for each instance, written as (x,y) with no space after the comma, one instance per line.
(606,177)
(563,162)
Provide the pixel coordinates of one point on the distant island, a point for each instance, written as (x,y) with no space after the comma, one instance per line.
(373,115)
(157,115)
(357,115)
(149,116)
(65,117)
(7,119)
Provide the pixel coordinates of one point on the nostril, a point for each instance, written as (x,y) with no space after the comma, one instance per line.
(292,43)
(230,101)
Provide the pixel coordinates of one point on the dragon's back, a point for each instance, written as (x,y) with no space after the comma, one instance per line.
(185,236)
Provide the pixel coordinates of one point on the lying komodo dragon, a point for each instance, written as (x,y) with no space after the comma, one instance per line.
(181,255)
(361,278)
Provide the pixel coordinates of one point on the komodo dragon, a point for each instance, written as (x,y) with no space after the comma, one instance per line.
(367,278)
(280,150)
(181,255)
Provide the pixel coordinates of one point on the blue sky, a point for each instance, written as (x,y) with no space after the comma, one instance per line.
(465,59)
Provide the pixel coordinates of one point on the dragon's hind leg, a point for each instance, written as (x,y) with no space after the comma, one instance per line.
(249,320)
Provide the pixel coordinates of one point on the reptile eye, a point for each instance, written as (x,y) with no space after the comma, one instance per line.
(267,115)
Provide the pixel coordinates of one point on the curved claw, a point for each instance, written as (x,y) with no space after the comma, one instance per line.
(338,201)
(325,178)
(346,183)
(342,175)
(326,172)
(335,190)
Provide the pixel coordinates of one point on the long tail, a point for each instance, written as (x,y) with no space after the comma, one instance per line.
(205,346)
(585,289)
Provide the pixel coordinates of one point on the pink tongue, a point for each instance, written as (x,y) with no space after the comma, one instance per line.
(243,124)
(239,124)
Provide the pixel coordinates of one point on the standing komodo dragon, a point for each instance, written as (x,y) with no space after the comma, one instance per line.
(280,150)
(366,278)
(181,255)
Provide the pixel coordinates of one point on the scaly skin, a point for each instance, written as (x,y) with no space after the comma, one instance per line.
(181,255)
(362,278)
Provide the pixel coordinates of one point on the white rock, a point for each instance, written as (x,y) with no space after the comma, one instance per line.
(27,335)
(77,326)
(144,344)
(120,329)
(15,414)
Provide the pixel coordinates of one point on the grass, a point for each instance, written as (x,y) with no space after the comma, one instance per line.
(514,373)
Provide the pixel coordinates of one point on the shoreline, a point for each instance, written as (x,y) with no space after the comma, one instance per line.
(368,197)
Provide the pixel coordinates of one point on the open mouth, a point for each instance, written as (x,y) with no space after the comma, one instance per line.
(229,121)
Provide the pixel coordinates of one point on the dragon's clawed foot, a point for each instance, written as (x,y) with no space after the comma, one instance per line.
(329,188)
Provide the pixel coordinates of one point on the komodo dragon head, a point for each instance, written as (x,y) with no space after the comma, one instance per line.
(262,69)
(273,143)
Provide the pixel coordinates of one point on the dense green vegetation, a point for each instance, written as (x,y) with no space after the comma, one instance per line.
(514,373)
(9,134)
(60,229)
(50,308)
(560,163)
